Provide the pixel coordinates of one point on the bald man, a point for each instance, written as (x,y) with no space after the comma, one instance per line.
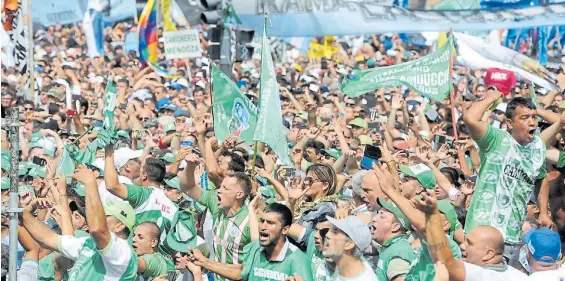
(482,250)
(371,191)
(145,243)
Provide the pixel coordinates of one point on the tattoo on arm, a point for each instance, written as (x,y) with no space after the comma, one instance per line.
(437,247)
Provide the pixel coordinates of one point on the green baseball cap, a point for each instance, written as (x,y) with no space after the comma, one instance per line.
(37,171)
(24,188)
(267,192)
(334,153)
(304,116)
(445,207)
(169,157)
(358,122)
(48,144)
(6,159)
(5,181)
(421,172)
(391,207)
(170,127)
(174,182)
(182,236)
(54,93)
(122,211)
(80,190)
(364,139)
(123,134)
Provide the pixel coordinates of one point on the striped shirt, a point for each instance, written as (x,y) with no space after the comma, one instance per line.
(231,233)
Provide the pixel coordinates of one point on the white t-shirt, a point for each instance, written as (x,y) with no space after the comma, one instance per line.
(367,275)
(502,273)
(105,195)
(550,275)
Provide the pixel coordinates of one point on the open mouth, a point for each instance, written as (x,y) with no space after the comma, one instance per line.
(532,132)
(219,199)
(263,236)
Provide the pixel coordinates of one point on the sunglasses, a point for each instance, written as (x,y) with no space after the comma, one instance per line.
(28,108)
(323,233)
(311,181)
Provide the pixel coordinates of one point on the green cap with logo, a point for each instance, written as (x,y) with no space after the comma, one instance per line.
(6,159)
(171,127)
(5,181)
(182,236)
(391,207)
(122,211)
(421,172)
(174,182)
(358,122)
(168,157)
(445,207)
(123,134)
(334,153)
(37,171)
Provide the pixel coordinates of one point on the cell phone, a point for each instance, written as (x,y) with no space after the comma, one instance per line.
(287,172)
(39,161)
(372,155)
(444,139)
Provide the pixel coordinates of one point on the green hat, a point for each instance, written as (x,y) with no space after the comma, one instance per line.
(170,127)
(80,190)
(55,93)
(24,188)
(304,116)
(123,134)
(359,122)
(421,172)
(5,181)
(332,152)
(364,139)
(48,144)
(174,182)
(6,159)
(391,207)
(122,211)
(267,192)
(37,171)
(182,236)
(169,157)
(445,207)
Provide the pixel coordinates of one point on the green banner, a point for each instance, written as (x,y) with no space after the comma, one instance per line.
(428,76)
(233,111)
(269,125)
(109,105)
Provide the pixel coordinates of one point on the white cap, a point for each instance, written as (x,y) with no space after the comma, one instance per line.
(123,154)
(99,163)
(201,84)
(502,107)
(180,81)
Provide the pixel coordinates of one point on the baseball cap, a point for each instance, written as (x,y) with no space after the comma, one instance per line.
(469,97)
(121,210)
(358,122)
(27,187)
(181,112)
(182,236)
(123,134)
(37,171)
(170,127)
(168,106)
(543,245)
(421,172)
(445,207)
(331,152)
(179,83)
(54,93)
(357,231)
(174,182)
(79,207)
(5,158)
(123,154)
(162,102)
(391,207)
(169,157)
(5,183)
(502,107)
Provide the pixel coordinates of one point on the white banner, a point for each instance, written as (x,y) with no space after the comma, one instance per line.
(182,44)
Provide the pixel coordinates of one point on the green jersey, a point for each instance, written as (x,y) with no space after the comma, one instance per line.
(117,261)
(506,180)
(156,264)
(422,266)
(397,247)
(291,261)
(318,265)
(231,233)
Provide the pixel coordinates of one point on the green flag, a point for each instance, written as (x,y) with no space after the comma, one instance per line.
(233,111)
(109,105)
(269,128)
(66,165)
(428,76)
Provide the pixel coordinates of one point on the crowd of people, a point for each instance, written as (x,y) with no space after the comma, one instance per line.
(388,186)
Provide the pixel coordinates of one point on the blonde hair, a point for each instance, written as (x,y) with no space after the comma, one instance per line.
(325,173)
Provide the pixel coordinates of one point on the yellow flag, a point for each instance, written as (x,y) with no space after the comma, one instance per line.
(442,39)
(166,9)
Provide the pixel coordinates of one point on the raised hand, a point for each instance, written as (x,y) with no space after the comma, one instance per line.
(84,175)
(397,102)
(427,204)
(467,188)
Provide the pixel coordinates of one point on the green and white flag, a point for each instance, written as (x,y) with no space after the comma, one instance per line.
(66,165)
(233,111)
(269,124)
(428,76)
(109,105)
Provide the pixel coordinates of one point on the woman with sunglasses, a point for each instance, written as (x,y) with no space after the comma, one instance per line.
(316,197)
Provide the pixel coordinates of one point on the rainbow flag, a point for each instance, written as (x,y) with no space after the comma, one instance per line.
(147,36)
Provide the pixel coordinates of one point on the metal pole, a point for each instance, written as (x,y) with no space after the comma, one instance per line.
(225,44)
(30,65)
(13,212)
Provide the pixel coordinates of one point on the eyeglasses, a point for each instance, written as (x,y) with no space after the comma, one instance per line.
(28,108)
(311,181)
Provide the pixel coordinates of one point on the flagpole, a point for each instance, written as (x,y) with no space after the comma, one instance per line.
(451,92)
(30,65)
(258,99)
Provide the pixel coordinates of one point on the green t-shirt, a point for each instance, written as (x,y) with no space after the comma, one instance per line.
(422,266)
(151,204)
(231,233)
(46,268)
(561,160)
(397,247)
(291,261)
(318,263)
(506,180)
(156,264)
(117,261)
